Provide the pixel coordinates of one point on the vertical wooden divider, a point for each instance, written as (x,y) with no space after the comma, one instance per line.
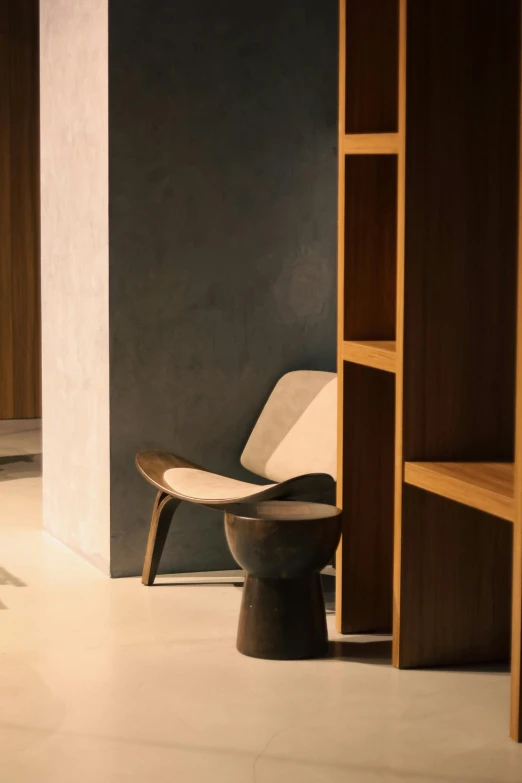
(516,618)
(399,359)
(340,298)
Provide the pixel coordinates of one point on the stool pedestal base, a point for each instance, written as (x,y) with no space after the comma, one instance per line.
(283,619)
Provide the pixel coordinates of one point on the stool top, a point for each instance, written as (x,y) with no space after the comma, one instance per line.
(282,510)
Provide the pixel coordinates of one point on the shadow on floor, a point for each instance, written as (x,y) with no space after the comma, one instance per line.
(7,578)
(497,667)
(379,652)
(14,466)
(374,652)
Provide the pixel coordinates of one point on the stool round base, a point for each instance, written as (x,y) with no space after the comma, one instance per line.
(283,619)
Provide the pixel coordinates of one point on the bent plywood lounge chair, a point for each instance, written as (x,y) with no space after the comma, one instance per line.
(293,445)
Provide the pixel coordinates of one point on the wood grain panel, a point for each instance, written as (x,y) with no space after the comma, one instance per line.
(20,267)
(488,486)
(370,247)
(6,270)
(371,144)
(461,231)
(371,67)
(365,582)
(456,583)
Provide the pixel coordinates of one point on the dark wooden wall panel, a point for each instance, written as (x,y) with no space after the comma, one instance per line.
(456,583)
(372,55)
(370,247)
(19,211)
(6,303)
(367,543)
(461,230)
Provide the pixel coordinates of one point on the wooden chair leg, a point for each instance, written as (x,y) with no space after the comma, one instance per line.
(164,509)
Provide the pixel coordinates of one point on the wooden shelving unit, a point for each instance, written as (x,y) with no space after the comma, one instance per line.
(430,449)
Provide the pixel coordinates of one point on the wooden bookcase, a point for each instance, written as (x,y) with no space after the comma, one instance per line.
(430,441)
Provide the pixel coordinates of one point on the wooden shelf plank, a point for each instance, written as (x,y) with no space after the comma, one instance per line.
(371,144)
(487,486)
(379,354)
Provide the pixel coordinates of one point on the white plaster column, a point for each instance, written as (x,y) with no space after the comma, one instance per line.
(75,274)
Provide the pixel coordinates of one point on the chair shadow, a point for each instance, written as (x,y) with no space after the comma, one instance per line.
(33,469)
(378,653)
(11,459)
(7,578)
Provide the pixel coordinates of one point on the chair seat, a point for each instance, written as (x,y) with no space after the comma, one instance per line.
(205,487)
(185,481)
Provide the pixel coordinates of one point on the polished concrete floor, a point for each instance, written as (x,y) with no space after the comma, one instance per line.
(106,681)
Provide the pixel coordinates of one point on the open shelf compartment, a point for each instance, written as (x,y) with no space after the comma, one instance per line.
(372,56)
(370,247)
(365,491)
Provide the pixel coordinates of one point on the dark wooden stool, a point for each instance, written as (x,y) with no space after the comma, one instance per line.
(282,546)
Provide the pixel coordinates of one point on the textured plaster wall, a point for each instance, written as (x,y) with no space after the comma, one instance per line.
(222,235)
(75,315)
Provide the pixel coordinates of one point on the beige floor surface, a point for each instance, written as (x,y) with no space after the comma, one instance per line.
(106,681)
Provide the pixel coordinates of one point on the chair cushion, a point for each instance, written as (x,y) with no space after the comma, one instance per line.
(203,486)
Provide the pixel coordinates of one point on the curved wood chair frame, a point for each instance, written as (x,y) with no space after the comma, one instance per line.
(313,487)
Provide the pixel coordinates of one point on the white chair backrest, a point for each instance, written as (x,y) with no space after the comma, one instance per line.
(296,432)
